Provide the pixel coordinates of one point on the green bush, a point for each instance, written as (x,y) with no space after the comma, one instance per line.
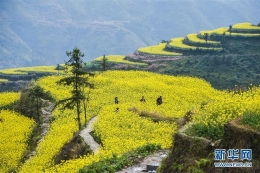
(252,118)
(116,163)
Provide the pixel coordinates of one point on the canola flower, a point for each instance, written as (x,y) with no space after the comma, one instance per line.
(119,59)
(195,39)
(15,131)
(177,43)
(3,80)
(245,26)
(26,70)
(210,120)
(157,50)
(7,98)
(60,132)
(124,130)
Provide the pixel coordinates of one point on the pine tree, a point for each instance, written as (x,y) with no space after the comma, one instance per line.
(77,80)
(104,63)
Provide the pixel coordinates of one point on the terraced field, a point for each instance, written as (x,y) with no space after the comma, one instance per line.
(26,70)
(245,28)
(3,80)
(121,127)
(125,130)
(118,59)
(199,42)
(195,39)
(178,44)
(158,50)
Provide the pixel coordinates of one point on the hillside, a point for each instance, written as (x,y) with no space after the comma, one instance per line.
(228,60)
(135,129)
(39,33)
(226,57)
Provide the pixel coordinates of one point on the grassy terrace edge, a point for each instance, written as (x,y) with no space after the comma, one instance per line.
(177,43)
(119,59)
(3,80)
(26,70)
(157,50)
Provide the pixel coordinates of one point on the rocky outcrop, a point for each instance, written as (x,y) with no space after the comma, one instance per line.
(196,154)
(237,135)
(73,149)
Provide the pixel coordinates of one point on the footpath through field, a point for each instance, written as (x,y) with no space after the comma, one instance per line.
(88,138)
(149,163)
(152,160)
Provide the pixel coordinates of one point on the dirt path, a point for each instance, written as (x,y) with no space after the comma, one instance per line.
(153,160)
(44,125)
(88,138)
(46,116)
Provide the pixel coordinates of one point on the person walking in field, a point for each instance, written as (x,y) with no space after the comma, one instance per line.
(159,100)
(116,100)
(142,99)
(117,109)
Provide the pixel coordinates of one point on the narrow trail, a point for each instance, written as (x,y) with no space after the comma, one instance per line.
(88,138)
(46,116)
(45,125)
(147,163)
(151,160)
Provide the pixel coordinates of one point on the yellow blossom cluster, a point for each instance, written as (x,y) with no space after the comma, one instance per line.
(122,130)
(15,131)
(7,98)
(209,120)
(60,132)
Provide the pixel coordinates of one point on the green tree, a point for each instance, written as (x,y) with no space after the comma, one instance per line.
(206,37)
(59,67)
(77,80)
(104,63)
(36,93)
(230,29)
(85,101)
(29,103)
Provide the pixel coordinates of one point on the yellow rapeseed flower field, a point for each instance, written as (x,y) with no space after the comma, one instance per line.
(7,98)
(15,131)
(210,120)
(26,70)
(194,38)
(158,50)
(119,59)
(246,26)
(3,80)
(123,130)
(177,43)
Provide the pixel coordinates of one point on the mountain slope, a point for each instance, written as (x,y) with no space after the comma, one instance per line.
(39,33)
